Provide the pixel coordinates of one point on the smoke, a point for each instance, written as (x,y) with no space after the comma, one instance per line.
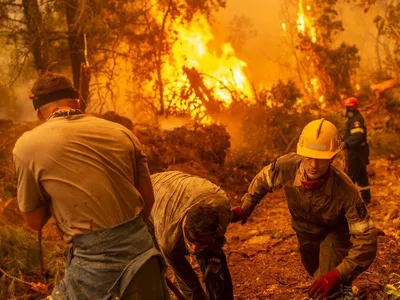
(15,104)
(269,54)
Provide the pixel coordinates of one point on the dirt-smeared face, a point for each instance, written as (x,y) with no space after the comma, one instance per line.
(315,168)
(196,245)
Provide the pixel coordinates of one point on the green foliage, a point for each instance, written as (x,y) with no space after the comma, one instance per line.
(393,290)
(333,66)
(338,65)
(327,22)
(19,254)
(388,25)
(212,142)
(286,93)
(266,132)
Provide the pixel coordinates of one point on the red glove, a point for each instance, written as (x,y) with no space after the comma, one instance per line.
(321,287)
(238,215)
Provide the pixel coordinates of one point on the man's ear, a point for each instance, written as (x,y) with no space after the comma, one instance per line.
(78,104)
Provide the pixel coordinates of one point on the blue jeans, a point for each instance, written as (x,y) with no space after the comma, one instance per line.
(102,264)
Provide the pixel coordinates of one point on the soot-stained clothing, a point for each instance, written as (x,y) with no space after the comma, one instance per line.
(316,214)
(175,193)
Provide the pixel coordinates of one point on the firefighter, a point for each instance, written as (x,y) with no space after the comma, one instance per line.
(189,217)
(337,238)
(91,175)
(356,146)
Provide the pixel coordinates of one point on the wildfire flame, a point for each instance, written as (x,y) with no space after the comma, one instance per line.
(222,74)
(305,27)
(305,24)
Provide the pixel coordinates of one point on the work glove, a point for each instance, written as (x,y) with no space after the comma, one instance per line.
(238,214)
(323,285)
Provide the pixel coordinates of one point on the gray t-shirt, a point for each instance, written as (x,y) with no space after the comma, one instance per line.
(85,168)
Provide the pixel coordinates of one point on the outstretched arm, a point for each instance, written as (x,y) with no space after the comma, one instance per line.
(38,218)
(142,179)
(260,186)
(145,189)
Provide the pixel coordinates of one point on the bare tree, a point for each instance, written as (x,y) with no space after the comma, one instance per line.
(35,39)
(74,12)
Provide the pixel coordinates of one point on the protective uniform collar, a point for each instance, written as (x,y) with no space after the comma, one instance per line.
(328,186)
(351,112)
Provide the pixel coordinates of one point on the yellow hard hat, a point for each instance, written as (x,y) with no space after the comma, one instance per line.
(319,139)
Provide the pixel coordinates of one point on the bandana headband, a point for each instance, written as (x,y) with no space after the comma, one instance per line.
(40,100)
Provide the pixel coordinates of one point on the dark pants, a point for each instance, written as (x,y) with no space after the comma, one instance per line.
(358,174)
(218,282)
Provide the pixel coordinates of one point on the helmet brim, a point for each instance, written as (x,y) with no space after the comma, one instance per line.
(316,154)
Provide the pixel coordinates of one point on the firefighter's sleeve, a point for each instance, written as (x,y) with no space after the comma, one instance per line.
(356,133)
(363,237)
(268,179)
(186,278)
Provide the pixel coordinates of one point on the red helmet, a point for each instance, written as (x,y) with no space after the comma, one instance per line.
(351,102)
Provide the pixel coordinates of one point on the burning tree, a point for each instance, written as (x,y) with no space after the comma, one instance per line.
(329,67)
(388,25)
(187,77)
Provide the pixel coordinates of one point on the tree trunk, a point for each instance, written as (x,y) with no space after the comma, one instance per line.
(75,38)
(35,40)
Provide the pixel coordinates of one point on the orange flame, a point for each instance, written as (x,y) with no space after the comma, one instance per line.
(221,72)
(305,24)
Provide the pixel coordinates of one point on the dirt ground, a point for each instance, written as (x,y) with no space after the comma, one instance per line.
(262,254)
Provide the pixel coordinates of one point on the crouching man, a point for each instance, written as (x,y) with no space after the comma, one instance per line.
(336,236)
(189,217)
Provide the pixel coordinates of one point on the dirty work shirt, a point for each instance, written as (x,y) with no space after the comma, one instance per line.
(315,213)
(175,193)
(85,167)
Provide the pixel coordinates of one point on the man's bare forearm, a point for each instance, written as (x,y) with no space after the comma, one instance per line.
(38,218)
(145,189)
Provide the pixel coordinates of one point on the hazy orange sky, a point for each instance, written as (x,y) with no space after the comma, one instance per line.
(267,57)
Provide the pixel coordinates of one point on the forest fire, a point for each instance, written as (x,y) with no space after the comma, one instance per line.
(172,169)
(304,23)
(306,28)
(197,79)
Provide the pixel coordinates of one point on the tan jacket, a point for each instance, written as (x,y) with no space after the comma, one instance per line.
(316,212)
